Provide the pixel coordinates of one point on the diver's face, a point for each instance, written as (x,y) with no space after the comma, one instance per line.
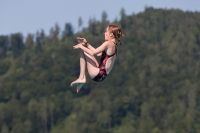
(107,35)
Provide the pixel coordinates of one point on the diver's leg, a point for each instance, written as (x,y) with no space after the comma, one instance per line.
(91,63)
(82,77)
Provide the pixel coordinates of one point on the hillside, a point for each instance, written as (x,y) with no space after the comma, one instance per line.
(153,87)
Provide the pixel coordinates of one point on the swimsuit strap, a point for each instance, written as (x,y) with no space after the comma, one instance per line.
(112,54)
(115,51)
(104,57)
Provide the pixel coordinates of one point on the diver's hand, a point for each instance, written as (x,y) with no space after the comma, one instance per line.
(82,40)
(76,46)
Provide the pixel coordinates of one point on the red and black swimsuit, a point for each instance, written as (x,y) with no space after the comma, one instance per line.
(102,71)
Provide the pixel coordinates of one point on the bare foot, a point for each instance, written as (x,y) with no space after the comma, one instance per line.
(78,81)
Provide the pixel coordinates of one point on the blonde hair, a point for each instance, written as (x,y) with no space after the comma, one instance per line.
(117,32)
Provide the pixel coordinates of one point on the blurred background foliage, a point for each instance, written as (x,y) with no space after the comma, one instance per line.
(153,87)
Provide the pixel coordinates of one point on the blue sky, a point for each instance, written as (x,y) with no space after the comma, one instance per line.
(30,16)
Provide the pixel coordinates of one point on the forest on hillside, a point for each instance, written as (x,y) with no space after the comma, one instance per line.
(153,87)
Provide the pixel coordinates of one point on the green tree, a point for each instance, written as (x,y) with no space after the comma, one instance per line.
(54,35)
(4,129)
(3,46)
(17,45)
(104,16)
(80,22)
(29,41)
(68,31)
